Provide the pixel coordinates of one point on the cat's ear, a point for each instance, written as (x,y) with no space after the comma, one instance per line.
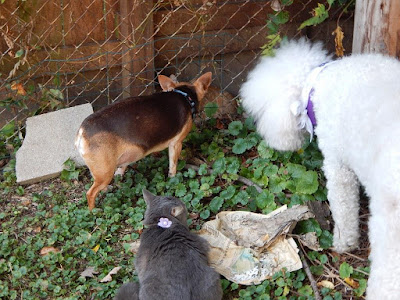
(148,197)
(177,210)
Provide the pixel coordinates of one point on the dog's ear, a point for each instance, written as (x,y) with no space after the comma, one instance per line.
(177,210)
(167,84)
(203,82)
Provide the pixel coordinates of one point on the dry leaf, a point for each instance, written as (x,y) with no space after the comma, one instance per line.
(219,125)
(37,229)
(89,272)
(108,278)
(134,247)
(351,282)
(310,240)
(47,250)
(339,35)
(8,41)
(326,284)
(26,202)
(276,5)
(19,88)
(96,248)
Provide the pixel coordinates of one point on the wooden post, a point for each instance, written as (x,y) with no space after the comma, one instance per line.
(377,27)
(137,47)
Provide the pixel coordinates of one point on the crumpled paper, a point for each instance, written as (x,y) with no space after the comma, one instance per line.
(248,248)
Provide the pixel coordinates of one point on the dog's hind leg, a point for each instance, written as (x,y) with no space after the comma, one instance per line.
(384,236)
(343,196)
(174,150)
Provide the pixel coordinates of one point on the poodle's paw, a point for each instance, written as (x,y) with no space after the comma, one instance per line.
(345,243)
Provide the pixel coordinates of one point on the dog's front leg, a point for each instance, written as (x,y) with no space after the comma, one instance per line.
(174,150)
(343,196)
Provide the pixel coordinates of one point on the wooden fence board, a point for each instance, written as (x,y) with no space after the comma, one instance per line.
(229,16)
(33,23)
(227,41)
(136,30)
(377,27)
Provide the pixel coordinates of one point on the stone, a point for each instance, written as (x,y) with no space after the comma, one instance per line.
(49,142)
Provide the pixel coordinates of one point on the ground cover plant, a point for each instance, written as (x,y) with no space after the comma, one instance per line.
(52,247)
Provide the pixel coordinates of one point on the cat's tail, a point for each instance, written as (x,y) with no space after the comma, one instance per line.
(128,291)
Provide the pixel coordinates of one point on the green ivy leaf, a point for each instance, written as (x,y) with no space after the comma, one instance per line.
(233,165)
(219,165)
(20,190)
(306,290)
(306,182)
(273,29)
(241,197)
(264,150)
(310,225)
(210,109)
(181,165)
(69,175)
(19,53)
(228,192)
(271,170)
(286,2)
(345,270)
(317,270)
(216,204)
(240,146)
(8,129)
(205,214)
(194,185)
(265,199)
(323,259)
(252,139)
(249,123)
(202,170)
(57,94)
(235,127)
(258,172)
(320,15)
(280,18)
(362,288)
(180,190)
(326,239)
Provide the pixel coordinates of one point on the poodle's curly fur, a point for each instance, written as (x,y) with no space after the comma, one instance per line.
(357,107)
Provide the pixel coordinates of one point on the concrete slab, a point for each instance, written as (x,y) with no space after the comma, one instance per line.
(48,143)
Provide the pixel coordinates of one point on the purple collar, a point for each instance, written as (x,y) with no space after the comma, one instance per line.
(303,109)
(311,80)
(310,108)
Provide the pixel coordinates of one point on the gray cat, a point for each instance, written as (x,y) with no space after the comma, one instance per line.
(171,261)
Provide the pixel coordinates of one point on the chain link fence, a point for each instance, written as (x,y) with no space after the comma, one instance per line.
(60,53)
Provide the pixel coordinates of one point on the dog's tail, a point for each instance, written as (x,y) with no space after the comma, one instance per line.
(128,291)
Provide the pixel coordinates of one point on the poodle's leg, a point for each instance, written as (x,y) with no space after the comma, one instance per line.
(384,236)
(343,196)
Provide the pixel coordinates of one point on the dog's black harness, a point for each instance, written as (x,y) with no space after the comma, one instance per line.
(189,99)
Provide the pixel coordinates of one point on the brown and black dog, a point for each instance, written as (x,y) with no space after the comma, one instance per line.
(127,131)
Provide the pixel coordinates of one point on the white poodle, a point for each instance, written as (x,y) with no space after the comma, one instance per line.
(356,101)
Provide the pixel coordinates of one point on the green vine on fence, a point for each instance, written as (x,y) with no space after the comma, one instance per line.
(319,15)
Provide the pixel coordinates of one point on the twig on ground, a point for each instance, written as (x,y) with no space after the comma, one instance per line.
(310,275)
(355,256)
(307,269)
(241,179)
